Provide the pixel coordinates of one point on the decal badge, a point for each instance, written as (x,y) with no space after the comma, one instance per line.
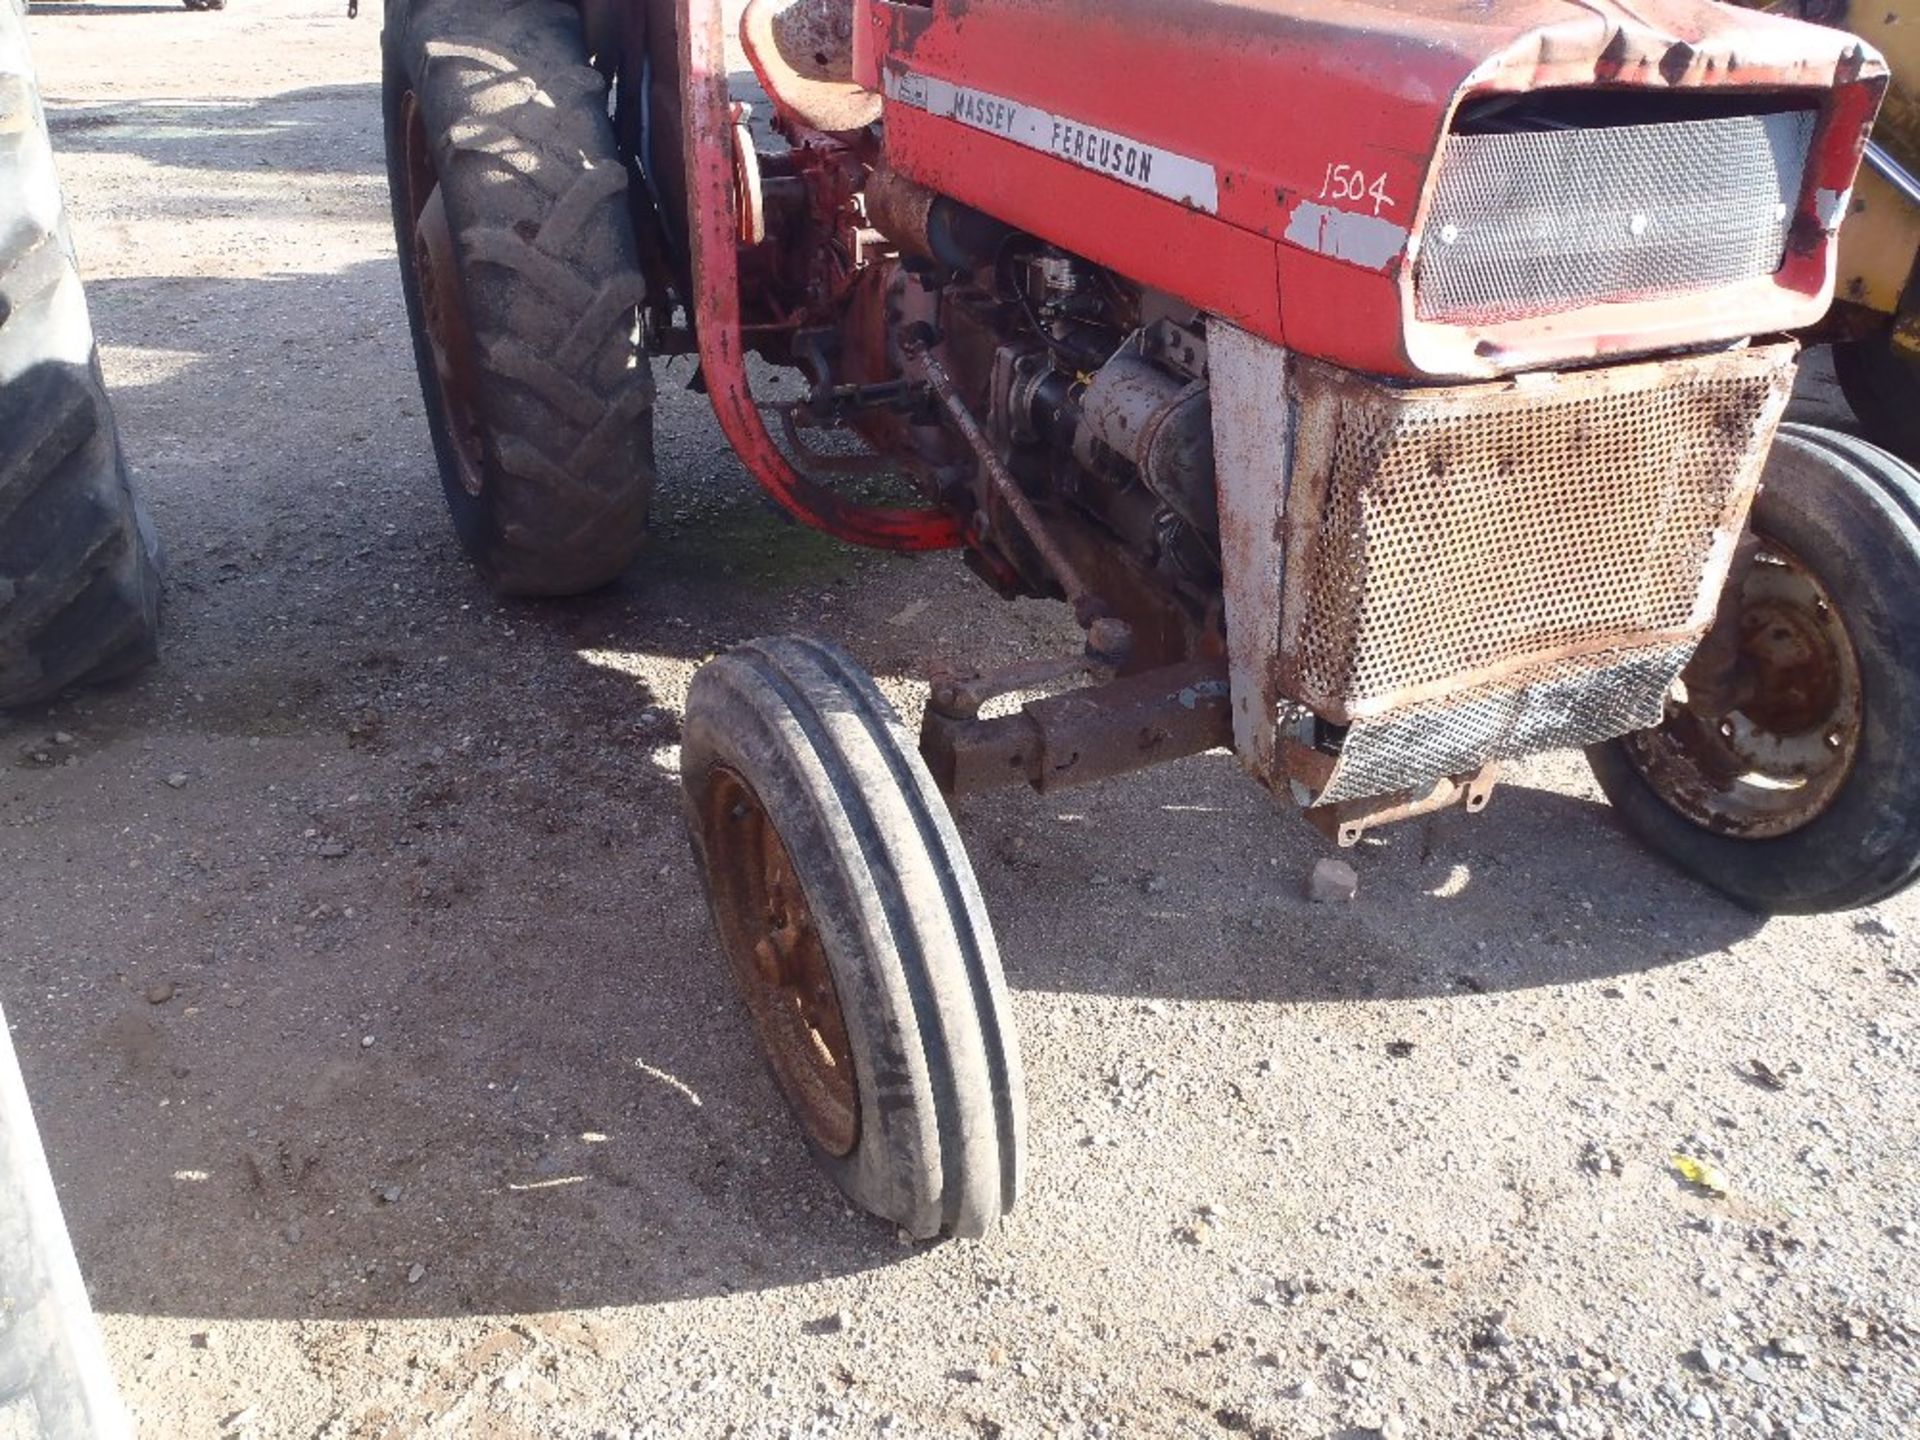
(1179,178)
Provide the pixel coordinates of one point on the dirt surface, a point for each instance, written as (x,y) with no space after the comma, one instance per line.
(394,1087)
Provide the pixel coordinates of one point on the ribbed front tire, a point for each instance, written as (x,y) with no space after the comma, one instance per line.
(900,1060)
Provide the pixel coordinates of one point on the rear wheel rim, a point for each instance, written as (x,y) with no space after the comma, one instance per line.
(779,962)
(1767,748)
(431,255)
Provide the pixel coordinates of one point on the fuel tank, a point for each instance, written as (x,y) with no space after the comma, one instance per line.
(1448,188)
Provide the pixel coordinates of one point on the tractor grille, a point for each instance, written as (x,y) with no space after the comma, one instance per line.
(1478,572)
(1536,221)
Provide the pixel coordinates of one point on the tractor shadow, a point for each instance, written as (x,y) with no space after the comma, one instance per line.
(1206,898)
(414,812)
(562,1106)
(274,139)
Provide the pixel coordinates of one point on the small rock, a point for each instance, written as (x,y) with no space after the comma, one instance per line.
(160,992)
(832,1324)
(177,780)
(1154,884)
(292,1232)
(1753,1371)
(1493,1335)
(366,1042)
(1394,1429)
(1333,882)
(1793,1347)
(391,1195)
(416,1273)
(1359,1368)
(1709,1358)
(1303,1389)
(1699,1408)
(333,847)
(61,737)
(1199,1234)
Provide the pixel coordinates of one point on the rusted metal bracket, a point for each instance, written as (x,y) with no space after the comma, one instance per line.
(1083,735)
(1346,821)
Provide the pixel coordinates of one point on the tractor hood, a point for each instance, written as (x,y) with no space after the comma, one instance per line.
(1170,139)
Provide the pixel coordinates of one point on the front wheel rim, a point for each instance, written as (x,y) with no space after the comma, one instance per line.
(1769,749)
(779,962)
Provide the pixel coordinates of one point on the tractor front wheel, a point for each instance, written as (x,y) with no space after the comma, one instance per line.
(1786,772)
(522,286)
(856,935)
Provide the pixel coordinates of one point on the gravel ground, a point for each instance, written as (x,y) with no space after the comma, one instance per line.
(394,1088)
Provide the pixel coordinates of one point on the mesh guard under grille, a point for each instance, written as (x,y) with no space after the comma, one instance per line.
(1478,572)
(1537,221)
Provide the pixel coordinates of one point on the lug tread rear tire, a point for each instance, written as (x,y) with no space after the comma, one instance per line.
(79,576)
(535,192)
(942,1142)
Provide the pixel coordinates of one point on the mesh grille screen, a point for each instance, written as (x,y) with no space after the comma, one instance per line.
(1537,221)
(1489,570)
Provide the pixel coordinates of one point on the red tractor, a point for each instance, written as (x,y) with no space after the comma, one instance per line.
(1387,388)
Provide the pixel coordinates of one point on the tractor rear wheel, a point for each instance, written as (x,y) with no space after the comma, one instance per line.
(856,934)
(79,575)
(522,287)
(1790,780)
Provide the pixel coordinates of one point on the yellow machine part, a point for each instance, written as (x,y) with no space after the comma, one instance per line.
(1878,244)
(1881,236)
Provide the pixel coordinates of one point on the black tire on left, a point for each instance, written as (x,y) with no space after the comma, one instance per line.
(79,572)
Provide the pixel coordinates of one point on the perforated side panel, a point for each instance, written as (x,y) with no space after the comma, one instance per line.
(1483,571)
(1562,707)
(1537,221)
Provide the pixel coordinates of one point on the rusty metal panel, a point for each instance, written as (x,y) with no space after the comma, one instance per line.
(1252,440)
(1558,706)
(1476,572)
